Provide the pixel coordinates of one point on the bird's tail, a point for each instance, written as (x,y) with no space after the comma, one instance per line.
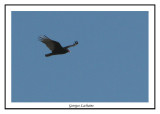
(47,55)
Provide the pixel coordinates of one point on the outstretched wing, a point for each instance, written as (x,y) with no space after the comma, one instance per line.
(76,42)
(51,44)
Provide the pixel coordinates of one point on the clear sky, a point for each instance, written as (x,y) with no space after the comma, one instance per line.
(110,63)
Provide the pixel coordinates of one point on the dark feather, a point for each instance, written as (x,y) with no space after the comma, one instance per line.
(51,44)
(55,46)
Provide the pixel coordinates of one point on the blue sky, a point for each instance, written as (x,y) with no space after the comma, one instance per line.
(110,63)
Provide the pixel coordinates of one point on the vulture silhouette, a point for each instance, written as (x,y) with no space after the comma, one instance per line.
(55,46)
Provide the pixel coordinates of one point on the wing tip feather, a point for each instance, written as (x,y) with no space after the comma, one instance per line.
(43,37)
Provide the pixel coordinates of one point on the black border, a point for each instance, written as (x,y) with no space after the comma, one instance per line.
(5,5)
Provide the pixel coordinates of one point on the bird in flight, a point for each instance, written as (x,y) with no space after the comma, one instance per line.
(55,46)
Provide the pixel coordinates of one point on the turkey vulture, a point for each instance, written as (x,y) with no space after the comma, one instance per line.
(55,46)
